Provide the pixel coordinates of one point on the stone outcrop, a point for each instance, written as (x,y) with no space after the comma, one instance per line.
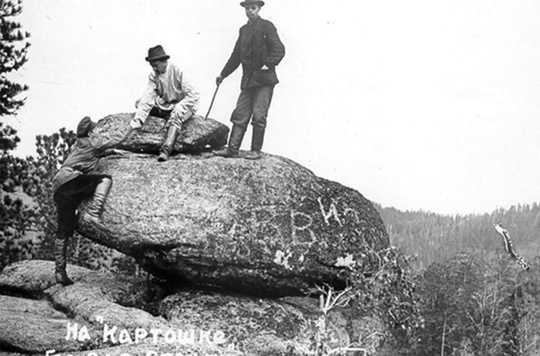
(197,135)
(235,246)
(32,278)
(208,323)
(33,326)
(267,227)
(260,326)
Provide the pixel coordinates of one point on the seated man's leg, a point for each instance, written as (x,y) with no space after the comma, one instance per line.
(176,122)
(240,119)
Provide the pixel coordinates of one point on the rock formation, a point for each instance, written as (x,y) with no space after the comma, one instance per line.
(197,133)
(189,321)
(269,227)
(239,245)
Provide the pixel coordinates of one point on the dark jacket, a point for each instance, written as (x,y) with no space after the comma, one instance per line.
(83,158)
(258,44)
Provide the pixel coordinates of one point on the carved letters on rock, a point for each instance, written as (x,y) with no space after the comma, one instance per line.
(266,227)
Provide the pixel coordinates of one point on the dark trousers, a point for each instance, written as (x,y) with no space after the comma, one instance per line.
(157,112)
(68,197)
(253,103)
(171,119)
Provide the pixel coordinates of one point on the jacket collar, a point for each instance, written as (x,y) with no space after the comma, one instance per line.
(253,21)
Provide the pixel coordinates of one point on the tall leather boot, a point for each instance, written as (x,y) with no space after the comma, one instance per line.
(168,144)
(235,141)
(257,140)
(60,260)
(95,209)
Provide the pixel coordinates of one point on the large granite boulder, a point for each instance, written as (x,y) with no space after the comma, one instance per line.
(196,136)
(268,227)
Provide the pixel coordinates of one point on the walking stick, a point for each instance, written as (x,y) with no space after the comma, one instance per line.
(212,102)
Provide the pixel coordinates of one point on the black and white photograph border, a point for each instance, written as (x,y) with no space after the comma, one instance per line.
(372,214)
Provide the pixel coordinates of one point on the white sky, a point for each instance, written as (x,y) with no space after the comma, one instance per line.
(419,104)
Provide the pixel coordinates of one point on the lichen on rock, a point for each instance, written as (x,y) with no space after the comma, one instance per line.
(269,227)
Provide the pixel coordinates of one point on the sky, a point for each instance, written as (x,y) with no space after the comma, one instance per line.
(419,105)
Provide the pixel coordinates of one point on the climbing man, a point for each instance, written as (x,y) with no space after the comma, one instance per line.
(259,50)
(168,95)
(74,183)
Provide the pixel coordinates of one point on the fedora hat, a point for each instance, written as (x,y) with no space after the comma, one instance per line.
(85,126)
(156,53)
(252,2)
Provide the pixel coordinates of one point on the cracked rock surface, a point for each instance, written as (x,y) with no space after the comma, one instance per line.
(268,227)
(35,320)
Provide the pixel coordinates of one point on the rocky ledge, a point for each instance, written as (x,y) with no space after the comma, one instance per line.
(103,314)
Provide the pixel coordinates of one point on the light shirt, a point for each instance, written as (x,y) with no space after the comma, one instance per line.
(168,91)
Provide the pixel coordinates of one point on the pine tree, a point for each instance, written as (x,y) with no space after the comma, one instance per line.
(15,218)
(13,55)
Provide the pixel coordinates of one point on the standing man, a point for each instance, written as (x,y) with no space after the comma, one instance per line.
(259,50)
(167,95)
(74,183)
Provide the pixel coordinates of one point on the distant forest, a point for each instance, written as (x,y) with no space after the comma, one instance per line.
(434,238)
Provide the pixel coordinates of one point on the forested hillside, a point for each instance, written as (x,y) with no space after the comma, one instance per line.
(434,238)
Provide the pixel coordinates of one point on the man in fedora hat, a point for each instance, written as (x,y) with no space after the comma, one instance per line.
(74,183)
(168,95)
(259,50)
